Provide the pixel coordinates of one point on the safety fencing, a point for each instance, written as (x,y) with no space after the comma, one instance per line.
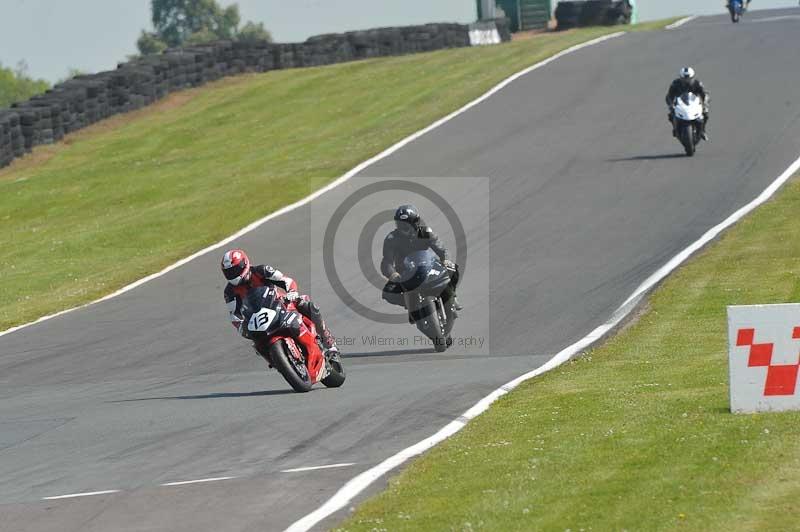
(86,99)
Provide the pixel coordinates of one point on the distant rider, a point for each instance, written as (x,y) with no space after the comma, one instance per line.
(411,234)
(242,277)
(745,4)
(687,82)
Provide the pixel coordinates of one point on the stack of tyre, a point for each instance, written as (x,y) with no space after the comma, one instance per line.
(11,142)
(592,13)
(83,100)
(325,50)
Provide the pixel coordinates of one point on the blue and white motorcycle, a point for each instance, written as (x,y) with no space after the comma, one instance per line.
(736,9)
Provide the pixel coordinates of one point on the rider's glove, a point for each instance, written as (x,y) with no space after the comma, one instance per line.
(449,264)
(395,277)
(292,296)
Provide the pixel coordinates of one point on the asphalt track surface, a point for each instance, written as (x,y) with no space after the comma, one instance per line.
(578,193)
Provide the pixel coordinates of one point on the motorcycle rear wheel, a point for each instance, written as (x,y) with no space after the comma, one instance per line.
(336,376)
(295,372)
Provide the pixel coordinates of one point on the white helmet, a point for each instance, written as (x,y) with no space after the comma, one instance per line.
(687,73)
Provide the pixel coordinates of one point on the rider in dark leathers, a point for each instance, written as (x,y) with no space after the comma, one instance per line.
(687,82)
(412,235)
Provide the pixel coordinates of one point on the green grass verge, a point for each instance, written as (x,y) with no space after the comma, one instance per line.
(130,196)
(637,434)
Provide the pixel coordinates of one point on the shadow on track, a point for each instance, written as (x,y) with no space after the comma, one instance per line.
(649,157)
(392,353)
(209,396)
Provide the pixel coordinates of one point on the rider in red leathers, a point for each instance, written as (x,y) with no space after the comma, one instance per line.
(242,277)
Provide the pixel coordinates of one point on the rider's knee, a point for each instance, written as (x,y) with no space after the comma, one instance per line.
(309,308)
(392,294)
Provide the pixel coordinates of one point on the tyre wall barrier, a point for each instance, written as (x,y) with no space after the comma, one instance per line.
(592,13)
(86,99)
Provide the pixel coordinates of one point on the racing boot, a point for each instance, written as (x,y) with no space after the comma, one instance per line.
(449,298)
(328,342)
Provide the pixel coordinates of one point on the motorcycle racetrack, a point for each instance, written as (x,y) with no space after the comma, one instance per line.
(571,192)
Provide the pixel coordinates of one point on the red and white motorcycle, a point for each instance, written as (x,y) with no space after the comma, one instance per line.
(271,322)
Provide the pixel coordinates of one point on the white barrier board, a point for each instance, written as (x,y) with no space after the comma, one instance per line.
(484,33)
(764,357)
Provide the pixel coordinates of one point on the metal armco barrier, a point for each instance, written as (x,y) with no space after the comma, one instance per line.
(764,357)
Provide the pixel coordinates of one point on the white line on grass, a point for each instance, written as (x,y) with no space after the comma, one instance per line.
(185,482)
(315,468)
(85,494)
(681,22)
(323,190)
(356,485)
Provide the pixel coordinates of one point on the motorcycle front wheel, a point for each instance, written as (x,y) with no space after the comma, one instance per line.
(686,136)
(294,371)
(426,317)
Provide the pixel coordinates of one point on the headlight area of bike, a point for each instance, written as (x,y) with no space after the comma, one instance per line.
(421,271)
(265,314)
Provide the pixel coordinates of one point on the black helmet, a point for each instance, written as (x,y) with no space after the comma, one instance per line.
(406,217)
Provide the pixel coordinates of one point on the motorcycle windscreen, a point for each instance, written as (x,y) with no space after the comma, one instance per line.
(259,309)
(689,107)
(423,271)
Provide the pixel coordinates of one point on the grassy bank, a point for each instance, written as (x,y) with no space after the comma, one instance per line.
(637,435)
(133,194)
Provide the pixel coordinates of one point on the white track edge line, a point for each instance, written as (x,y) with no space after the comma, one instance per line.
(74,495)
(314,195)
(681,22)
(315,468)
(198,481)
(357,484)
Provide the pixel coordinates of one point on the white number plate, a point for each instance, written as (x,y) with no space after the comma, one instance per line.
(261,320)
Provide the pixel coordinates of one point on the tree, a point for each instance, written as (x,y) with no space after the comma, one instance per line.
(17,86)
(227,21)
(179,22)
(149,43)
(200,37)
(254,32)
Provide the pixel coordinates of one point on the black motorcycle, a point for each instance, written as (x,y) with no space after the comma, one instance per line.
(424,278)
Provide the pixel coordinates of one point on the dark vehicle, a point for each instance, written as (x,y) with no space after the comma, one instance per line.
(736,9)
(270,321)
(423,278)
